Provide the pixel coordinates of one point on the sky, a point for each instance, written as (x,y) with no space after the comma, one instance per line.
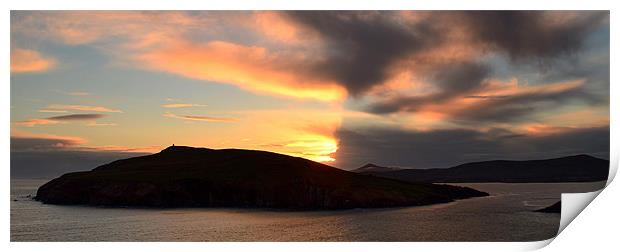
(415,89)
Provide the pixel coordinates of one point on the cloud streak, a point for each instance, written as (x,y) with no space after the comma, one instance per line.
(36,122)
(489,101)
(76,117)
(83,108)
(60,119)
(201,118)
(21,141)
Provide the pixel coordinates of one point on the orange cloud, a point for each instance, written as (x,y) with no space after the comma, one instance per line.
(497,89)
(249,67)
(35,141)
(543,130)
(116,148)
(583,118)
(495,102)
(201,118)
(83,108)
(28,61)
(494,95)
(60,141)
(35,122)
(156,40)
(276,27)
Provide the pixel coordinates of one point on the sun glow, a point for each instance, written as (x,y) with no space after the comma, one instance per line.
(319,150)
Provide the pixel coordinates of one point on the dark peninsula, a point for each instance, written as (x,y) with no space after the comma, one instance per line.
(198,177)
(555,208)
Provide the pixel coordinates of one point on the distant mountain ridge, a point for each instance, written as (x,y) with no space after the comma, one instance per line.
(180,176)
(578,168)
(370,167)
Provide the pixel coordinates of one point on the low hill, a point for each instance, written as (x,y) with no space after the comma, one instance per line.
(199,177)
(369,168)
(579,168)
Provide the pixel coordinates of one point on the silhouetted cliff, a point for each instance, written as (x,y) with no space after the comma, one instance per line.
(199,177)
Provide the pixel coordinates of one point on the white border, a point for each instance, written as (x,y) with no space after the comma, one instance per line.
(580,234)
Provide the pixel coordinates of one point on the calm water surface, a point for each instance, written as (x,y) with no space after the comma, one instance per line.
(504,216)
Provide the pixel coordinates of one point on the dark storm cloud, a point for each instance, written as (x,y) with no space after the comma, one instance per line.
(396,104)
(520,107)
(457,78)
(445,148)
(363,45)
(505,108)
(76,117)
(530,34)
(452,80)
(523,35)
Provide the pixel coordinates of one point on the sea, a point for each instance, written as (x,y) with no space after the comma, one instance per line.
(506,215)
